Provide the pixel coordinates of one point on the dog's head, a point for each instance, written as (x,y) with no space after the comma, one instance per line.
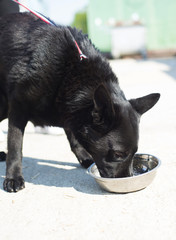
(112,136)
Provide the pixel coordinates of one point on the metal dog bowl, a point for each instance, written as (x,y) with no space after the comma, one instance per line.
(144,171)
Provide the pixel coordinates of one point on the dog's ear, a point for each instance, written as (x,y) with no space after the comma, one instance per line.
(103,107)
(143,104)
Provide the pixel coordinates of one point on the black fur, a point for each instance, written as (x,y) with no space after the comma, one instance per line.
(42,80)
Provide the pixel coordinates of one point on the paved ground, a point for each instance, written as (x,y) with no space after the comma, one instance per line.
(61,201)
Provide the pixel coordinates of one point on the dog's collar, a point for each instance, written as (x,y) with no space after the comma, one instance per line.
(48,21)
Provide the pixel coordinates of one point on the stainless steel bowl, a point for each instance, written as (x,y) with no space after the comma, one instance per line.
(144,171)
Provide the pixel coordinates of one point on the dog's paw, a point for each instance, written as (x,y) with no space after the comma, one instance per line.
(86,162)
(3,156)
(85,159)
(13,185)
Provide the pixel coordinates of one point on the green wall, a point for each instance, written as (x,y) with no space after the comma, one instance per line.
(159,16)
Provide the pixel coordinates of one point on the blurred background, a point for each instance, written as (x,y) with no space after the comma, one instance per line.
(117,27)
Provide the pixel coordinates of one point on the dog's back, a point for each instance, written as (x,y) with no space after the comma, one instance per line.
(40,67)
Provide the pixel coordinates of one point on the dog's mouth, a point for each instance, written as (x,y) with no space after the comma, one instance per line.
(118,174)
(115,169)
(114,176)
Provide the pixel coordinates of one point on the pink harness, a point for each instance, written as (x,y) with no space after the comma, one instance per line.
(51,23)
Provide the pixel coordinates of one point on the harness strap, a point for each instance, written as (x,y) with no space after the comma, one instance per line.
(48,21)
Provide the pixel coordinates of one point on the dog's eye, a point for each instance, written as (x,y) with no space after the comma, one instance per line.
(116,156)
(119,156)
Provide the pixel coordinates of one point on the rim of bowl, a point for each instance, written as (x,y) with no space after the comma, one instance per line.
(134,176)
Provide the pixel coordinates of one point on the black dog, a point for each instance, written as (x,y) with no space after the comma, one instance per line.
(42,80)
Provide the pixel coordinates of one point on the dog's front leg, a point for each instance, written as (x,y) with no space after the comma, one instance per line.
(82,155)
(14,180)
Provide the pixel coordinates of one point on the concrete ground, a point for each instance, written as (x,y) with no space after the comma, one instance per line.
(61,201)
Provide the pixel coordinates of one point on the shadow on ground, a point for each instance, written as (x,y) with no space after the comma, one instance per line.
(56,173)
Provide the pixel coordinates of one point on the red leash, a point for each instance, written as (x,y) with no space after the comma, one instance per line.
(42,17)
(34,12)
(80,52)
